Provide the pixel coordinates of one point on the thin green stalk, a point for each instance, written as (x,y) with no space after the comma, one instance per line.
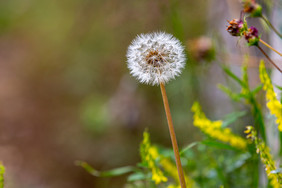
(259,126)
(222,177)
(280,138)
(270,25)
(255,169)
(259,122)
(256,111)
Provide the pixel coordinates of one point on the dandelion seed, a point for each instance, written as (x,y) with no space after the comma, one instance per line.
(155,58)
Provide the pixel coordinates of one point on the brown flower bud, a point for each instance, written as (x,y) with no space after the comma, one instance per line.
(235,27)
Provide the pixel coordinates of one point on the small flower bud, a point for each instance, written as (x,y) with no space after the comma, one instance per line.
(202,49)
(250,6)
(251,35)
(235,27)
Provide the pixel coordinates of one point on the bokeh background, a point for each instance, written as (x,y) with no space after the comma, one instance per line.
(66,93)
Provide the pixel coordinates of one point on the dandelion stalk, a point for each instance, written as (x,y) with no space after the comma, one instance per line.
(267,57)
(173,137)
(155,59)
(270,47)
(270,25)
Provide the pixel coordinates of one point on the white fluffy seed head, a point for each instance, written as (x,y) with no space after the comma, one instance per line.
(155,58)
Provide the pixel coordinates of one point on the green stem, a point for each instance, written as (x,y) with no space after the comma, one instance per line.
(270,25)
(280,138)
(259,122)
(255,170)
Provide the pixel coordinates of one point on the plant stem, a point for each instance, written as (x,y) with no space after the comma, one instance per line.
(262,51)
(258,117)
(270,25)
(280,133)
(173,137)
(267,45)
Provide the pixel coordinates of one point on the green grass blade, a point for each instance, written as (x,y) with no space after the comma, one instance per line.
(109,173)
(188,147)
(219,145)
(137,176)
(233,96)
(257,89)
(232,75)
(232,117)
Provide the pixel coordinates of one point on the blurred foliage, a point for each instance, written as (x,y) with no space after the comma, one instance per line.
(2,172)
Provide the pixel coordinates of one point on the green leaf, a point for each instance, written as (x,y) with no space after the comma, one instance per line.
(188,147)
(219,145)
(257,89)
(233,96)
(232,117)
(278,87)
(110,173)
(136,176)
(232,75)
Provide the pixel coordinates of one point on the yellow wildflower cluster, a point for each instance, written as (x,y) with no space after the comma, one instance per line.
(266,158)
(149,154)
(171,169)
(214,129)
(273,104)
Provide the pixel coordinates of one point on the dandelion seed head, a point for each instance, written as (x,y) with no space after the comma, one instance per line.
(155,58)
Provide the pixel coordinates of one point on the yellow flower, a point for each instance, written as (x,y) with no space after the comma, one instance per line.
(149,154)
(174,186)
(266,158)
(171,169)
(214,129)
(274,106)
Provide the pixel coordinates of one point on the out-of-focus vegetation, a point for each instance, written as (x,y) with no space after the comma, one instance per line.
(66,94)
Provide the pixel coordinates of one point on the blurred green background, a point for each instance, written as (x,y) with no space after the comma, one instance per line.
(66,93)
